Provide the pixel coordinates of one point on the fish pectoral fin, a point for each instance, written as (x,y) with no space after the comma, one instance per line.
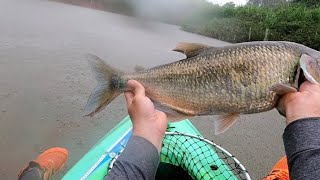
(281,111)
(282,89)
(224,122)
(190,49)
(310,68)
(172,114)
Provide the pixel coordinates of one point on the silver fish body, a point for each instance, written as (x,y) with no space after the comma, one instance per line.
(230,80)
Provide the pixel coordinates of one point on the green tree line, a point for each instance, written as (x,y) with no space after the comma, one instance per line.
(297,21)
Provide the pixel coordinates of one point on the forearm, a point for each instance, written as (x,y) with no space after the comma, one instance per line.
(302,145)
(139,160)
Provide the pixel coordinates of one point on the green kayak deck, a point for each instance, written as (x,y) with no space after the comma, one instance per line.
(95,164)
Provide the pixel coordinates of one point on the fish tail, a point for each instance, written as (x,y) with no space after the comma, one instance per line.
(105,91)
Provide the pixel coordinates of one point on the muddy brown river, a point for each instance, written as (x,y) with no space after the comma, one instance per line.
(45,81)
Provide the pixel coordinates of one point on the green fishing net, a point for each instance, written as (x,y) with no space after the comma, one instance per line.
(185,156)
(200,158)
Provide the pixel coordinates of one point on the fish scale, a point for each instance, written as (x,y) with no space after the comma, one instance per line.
(221,63)
(229,80)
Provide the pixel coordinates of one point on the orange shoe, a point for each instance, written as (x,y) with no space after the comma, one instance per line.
(280,171)
(51,161)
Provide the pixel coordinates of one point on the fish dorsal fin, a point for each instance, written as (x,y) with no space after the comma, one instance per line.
(190,49)
(139,68)
(310,68)
(282,89)
(225,122)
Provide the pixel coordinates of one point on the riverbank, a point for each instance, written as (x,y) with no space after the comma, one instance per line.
(280,22)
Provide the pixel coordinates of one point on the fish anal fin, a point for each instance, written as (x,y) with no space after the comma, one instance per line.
(172,114)
(310,68)
(224,122)
(282,89)
(190,49)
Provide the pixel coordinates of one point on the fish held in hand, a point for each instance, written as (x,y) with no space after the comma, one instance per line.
(242,78)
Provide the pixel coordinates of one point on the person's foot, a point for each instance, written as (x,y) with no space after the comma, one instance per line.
(280,171)
(51,161)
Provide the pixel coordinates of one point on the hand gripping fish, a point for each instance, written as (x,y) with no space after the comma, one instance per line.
(242,78)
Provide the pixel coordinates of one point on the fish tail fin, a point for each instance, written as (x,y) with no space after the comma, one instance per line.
(105,90)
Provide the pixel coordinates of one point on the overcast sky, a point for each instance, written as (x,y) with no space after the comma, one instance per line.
(221,2)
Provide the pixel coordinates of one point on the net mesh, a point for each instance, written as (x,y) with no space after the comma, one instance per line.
(201,158)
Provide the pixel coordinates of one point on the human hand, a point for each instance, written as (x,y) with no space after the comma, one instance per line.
(147,122)
(302,104)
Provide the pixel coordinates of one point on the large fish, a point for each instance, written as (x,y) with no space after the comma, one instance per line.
(242,78)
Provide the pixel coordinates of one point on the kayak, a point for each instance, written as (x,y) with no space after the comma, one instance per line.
(185,155)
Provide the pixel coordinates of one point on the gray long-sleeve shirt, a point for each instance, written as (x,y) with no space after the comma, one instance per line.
(140,158)
(302,144)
